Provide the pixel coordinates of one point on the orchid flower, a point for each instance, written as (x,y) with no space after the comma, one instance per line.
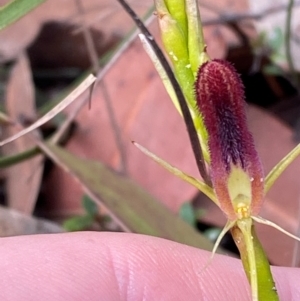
(214,95)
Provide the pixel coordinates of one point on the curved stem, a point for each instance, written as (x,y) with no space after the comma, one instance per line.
(251,250)
(193,136)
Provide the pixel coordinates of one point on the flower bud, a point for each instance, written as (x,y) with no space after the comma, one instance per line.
(236,171)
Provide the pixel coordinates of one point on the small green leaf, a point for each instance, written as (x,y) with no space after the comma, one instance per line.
(187,213)
(78,223)
(89,205)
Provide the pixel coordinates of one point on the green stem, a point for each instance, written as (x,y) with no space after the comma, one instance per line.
(192,132)
(8,161)
(196,43)
(177,11)
(255,262)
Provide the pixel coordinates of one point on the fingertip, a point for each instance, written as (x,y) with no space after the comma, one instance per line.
(119,266)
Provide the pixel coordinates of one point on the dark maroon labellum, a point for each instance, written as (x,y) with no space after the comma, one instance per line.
(220,99)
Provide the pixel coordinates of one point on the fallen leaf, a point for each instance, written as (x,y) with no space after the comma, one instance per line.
(82,87)
(130,205)
(23,180)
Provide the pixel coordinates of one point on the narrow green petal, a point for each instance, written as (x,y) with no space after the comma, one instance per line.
(275,226)
(280,167)
(208,191)
(226,228)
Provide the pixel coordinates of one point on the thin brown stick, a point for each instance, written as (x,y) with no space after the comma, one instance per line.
(96,67)
(56,138)
(100,75)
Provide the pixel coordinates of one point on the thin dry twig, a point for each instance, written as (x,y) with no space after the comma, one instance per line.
(56,138)
(112,118)
(57,109)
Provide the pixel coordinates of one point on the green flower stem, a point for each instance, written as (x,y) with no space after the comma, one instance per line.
(255,262)
(177,11)
(176,43)
(196,44)
(8,161)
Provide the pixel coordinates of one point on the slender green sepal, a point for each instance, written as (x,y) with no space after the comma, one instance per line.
(280,167)
(226,228)
(208,191)
(275,226)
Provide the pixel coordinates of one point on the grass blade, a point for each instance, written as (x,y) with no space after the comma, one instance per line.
(15,10)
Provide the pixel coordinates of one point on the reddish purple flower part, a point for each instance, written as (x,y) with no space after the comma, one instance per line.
(220,98)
